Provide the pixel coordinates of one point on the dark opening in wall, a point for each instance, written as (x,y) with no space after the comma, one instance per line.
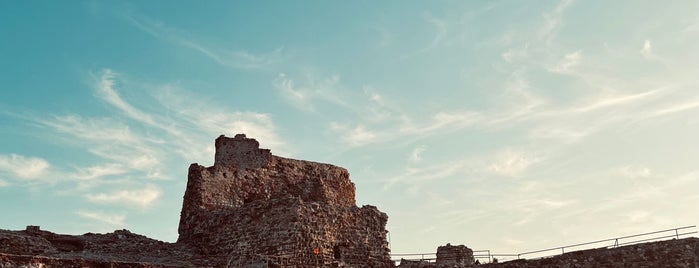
(336,252)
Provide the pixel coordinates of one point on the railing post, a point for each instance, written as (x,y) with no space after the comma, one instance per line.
(562,250)
(677,234)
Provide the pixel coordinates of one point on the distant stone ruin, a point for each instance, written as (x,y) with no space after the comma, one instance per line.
(263,209)
(448,256)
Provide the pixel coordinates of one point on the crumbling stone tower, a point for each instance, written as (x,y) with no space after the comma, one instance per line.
(267,211)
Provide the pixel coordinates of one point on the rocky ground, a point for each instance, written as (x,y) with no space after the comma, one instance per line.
(118,249)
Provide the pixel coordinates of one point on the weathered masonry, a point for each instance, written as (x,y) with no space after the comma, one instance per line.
(263,210)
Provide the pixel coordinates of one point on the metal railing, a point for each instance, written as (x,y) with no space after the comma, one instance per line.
(487,256)
(414,257)
(432,257)
(618,241)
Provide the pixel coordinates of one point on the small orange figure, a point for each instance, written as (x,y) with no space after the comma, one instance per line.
(316,251)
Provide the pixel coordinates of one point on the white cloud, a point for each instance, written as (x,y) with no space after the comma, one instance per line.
(116,220)
(675,108)
(464,216)
(237,59)
(379,108)
(513,55)
(298,97)
(247,60)
(638,216)
(143,197)
(91,129)
(618,100)
(206,119)
(109,139)
(354,136)
(553,19)
(635,172)
(512,242)
(185,127)
(414,174)
(386,38)
(438,200)
(512,163)
(144,162)
(106,91)
(94,172)
(306,95)
(441,31)
(647,50)
(23,167)
(560,133)
(568,63)
(689,177)
(4,183)
(415,155)
(532,207)
(441,121)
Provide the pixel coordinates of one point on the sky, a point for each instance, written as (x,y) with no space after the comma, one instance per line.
(502,125)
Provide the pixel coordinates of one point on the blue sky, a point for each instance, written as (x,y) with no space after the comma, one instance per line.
(502,125)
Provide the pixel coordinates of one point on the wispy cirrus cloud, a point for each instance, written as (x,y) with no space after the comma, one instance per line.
(631,171)
(416,154)
(512,163)
(675,108)
(105,89)
(530,209)
(620,100)
(354,136)
(569,62)
(440,26)
(237,59)
(307,94)
(184,111)
(99,171)
(142,197)
(133,147)
(23,167)
(553,20)
(647,49)
(111,219)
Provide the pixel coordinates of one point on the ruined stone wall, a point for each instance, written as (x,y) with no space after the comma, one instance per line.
(448,256)
(241,152)
(670,253)
(230,186)
(286,231)
(259,208)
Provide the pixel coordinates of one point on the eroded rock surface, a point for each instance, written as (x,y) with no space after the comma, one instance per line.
(37,248)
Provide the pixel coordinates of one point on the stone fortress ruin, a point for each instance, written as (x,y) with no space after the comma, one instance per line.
(260,208)
(254,209)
